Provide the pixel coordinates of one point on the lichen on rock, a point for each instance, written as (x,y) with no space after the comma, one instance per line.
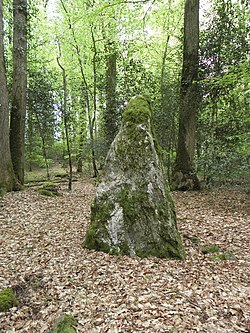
(133,212)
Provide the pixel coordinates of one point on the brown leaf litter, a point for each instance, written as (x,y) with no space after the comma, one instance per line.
(42,259)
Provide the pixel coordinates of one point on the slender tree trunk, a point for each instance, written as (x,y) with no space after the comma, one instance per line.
(30,138)
(86,93)
(82,126)
(18,110)
(93,120)
(65,121)
(80,144)
(110,115)
(164,102)
(42,135)
(184,177)
(6,168)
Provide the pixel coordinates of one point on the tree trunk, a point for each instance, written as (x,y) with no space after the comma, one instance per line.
(65,121)
(82,137)
(6,168)
(18,110)
(110,114)
(184,177)
(86,93)
(42,135)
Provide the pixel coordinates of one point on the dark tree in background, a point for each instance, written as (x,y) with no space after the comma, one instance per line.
(184,177)
(6,169)
(19,87)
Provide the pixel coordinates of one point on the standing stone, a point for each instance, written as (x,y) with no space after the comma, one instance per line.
(133,212)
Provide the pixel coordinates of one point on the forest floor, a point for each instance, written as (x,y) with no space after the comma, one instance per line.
(42,259)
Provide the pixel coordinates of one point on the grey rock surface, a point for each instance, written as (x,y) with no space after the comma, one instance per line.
(133,212)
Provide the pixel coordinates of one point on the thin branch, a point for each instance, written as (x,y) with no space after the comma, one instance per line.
(126,2)
(147,11)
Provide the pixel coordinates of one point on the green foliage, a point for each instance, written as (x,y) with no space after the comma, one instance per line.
(40,175)
(147,43)
(223,124)
(7,299)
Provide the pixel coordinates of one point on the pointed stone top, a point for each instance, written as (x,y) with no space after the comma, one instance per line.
(138,110)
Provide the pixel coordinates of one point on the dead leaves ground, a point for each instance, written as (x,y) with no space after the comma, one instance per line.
(42,259)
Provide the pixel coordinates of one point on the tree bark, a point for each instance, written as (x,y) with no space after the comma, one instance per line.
(110,114)
(184,177)
(6,168)
(65,121)
(18,110)
(86,93)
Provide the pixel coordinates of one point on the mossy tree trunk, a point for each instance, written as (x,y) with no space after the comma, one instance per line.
(19,88)
(184,177)
(6,169)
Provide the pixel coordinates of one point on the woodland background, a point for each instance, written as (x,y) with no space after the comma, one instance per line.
(86,59)
(72,66)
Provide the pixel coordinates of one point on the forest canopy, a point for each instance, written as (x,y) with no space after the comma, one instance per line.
(86,59)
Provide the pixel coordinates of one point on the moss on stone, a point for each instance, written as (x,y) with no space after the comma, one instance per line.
(133,212)
(210,249)
(50,185)
(7,299)
(137,111)
(3,191)
(49,189)
(99,215)
(45,192)
(64,324)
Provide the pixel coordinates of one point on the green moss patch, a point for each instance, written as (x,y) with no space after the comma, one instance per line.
(223,256)
(137,111)
(64,324)
(7,300)
(210,249)
(3,191)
